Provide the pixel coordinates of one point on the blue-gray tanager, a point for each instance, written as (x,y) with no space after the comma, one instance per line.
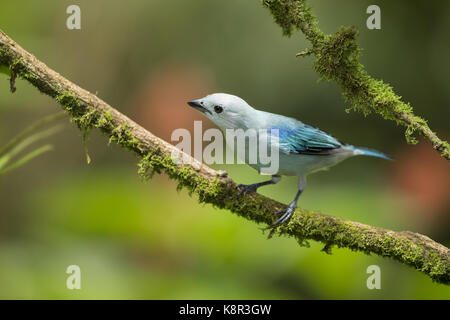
(303,149)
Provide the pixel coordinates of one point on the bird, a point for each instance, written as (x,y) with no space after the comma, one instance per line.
(303,149)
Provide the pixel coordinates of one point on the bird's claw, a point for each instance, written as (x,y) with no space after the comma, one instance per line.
(247,188)
(286,215)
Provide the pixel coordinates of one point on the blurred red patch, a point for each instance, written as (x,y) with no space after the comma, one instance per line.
(423,176)
(161,102)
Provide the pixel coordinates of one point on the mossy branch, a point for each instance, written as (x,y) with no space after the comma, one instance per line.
(336,57)
(215,187)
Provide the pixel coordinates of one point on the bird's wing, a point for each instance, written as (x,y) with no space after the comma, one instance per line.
(301,138)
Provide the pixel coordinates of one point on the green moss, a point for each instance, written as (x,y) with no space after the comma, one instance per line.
(16,62)
(69,101)
(337,59)
(4,57)
(294,14)
(327,248)
(87,118)
(187,177)
(333,231)
(105,122)
(124,137)
(18,68)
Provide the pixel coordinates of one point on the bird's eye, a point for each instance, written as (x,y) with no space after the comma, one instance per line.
(218,109)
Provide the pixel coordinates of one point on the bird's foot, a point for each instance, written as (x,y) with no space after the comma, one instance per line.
(286,215)
(247,188)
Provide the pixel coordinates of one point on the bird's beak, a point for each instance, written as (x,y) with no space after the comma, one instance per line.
(197,105)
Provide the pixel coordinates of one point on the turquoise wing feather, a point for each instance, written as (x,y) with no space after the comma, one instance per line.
(305,139)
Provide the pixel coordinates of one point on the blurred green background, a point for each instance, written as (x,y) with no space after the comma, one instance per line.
(136,240)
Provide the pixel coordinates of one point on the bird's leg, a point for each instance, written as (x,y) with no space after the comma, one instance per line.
(253,187)
(287,213)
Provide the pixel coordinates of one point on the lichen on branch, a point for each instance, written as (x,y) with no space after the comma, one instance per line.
(336,58)
(214,187)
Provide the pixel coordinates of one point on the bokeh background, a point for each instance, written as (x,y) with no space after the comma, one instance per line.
(136,240)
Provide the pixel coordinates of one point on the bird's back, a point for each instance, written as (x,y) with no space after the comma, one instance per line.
(297,137)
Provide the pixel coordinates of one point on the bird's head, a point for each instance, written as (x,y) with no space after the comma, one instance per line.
(225,110)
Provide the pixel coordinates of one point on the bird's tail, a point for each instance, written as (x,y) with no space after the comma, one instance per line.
(368,152)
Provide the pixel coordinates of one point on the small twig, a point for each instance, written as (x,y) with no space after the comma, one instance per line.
(304,53)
